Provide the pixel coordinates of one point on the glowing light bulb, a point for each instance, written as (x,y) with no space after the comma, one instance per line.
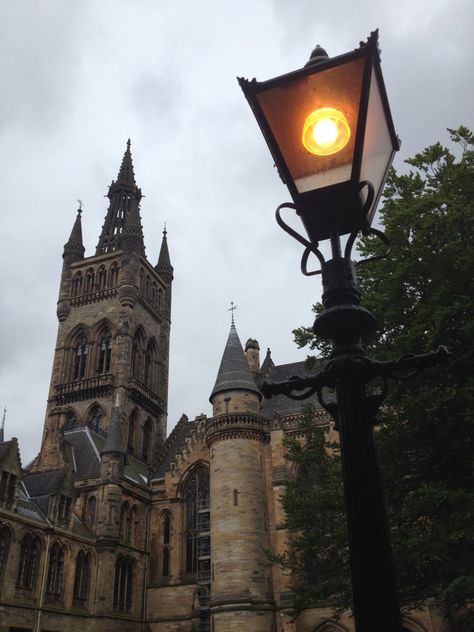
(325,132)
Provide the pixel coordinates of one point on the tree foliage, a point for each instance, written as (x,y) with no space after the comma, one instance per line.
(422,295)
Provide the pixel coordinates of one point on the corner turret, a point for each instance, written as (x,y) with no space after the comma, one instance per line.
(74,248)
(235,389)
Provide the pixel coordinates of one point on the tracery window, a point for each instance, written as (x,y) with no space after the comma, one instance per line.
(166,531)
(137,354)
(90,278)
(80,358)
(54,584)
(28,565)
(147,439)
(105,352)
(196,497)
(113,275)
(102,278)
(76,285)
(150,365)
(96,420)
(123,584)
(5,538)
(71,420)
(81,579)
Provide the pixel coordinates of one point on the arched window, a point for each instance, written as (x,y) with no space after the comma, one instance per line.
(147,440)
(80,358)
(91,509)
(102,278)
(54,585)
(132,432)
(160,299)
(96,420)
(142,281)
(149,371)
(113,275)
(5,538)
(196,498)
(71,420)
(125,523)
(148,284)
(138,344)
(123,584)
(90,278)
(105,352)
(166,532)
(154,294)
(28,565)
(76,284)
(81,579)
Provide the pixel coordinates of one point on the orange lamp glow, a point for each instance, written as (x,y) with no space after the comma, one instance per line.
(325,132)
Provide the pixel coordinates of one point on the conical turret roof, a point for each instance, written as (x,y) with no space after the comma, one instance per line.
(74,245)
(164,266)
(234,372)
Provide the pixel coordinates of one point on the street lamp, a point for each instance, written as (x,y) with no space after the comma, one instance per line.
(331,135)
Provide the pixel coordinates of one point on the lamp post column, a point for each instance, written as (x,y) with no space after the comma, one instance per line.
(343,322)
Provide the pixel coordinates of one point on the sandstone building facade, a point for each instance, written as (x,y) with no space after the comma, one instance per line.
(114,525)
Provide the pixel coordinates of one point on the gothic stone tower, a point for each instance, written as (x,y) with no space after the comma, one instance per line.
(113,336)
(241,597)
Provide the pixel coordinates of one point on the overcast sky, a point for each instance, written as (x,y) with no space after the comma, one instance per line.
(79,78)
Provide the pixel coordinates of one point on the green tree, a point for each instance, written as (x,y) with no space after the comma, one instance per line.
(422,295)
(314,506)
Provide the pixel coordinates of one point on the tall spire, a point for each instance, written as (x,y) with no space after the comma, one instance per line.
(74,248)
(164,267)
(234,372)
(126,174)
(123,211)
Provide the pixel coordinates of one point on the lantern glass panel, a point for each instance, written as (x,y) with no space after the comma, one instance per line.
(288,106)
(378,148)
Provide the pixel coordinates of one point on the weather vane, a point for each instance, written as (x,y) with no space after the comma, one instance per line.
(80,206)
(232,309)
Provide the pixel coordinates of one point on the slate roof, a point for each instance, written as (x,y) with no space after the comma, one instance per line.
(173,444)
(280,403)
(28,508)
(43,483)
(234,372)
(86,445)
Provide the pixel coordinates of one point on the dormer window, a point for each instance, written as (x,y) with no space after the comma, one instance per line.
(64,509)
(7,489)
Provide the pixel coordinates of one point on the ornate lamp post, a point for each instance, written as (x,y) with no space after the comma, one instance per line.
(331,135)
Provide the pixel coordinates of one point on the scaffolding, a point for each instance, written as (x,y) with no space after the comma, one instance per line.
(203,578)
